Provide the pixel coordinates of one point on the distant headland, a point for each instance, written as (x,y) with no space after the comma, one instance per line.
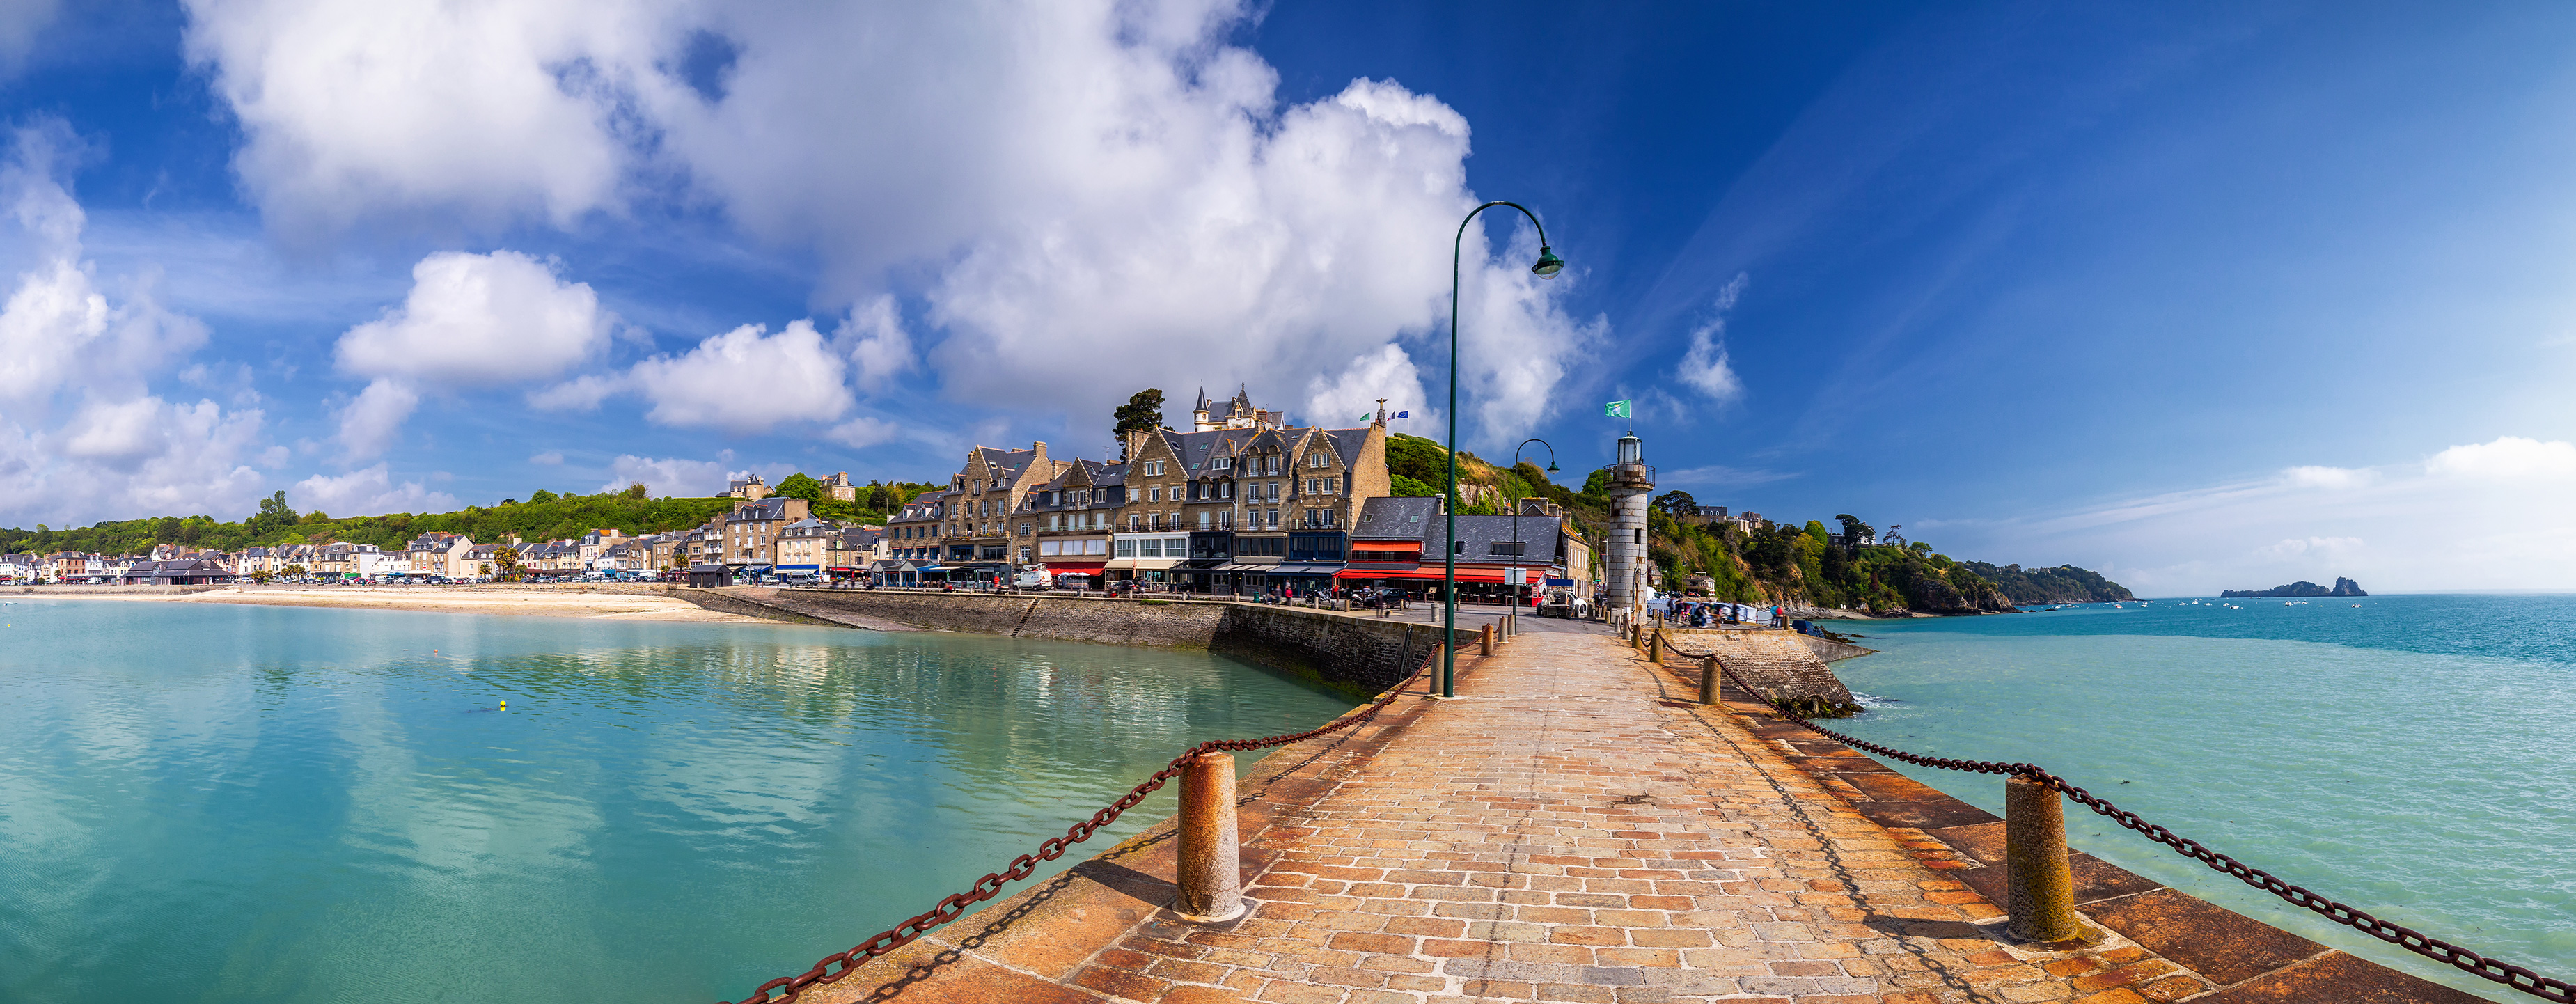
(2342,587)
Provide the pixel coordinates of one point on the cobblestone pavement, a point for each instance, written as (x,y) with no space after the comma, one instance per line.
(1568,830)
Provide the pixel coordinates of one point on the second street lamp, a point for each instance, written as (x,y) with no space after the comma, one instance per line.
(1547,266)
(1519,570)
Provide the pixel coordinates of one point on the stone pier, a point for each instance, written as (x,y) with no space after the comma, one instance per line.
(1574,828)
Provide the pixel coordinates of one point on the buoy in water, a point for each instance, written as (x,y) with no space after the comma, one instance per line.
(505,705)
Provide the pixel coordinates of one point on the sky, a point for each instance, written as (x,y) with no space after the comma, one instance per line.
(2200,296)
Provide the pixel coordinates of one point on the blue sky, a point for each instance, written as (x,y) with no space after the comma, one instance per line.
(2202,296)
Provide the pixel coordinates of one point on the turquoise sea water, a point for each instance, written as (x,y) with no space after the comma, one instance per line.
(241,803)
(2413,756)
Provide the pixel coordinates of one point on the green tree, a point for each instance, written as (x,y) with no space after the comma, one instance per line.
(1817,530)
(638,492)
(799,486)
(1143,412)
(1676,503)
(273,513)
(542,495)
(1401,486)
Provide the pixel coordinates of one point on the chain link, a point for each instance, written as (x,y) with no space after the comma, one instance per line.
(2429,947)
(956,905)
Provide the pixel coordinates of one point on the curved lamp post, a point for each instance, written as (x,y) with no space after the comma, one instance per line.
(1547,266)
(1517,598)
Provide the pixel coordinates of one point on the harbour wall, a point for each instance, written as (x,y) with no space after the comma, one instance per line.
(1358,652)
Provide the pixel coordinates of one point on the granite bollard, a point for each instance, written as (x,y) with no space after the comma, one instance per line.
(1211,866)
(2040,891)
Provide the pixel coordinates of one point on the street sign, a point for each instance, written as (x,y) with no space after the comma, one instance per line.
(1515,576)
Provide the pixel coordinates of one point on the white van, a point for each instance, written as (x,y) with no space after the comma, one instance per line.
(1035,578)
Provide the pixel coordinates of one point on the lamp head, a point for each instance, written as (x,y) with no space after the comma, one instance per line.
(1548,264)
(1551,466)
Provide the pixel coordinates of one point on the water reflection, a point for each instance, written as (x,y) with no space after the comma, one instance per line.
(302,805)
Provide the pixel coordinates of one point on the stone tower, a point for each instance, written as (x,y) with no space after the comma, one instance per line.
(1631,484)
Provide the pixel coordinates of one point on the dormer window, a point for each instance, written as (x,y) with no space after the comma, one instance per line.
(1224,463)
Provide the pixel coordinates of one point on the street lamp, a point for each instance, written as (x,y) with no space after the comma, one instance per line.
(1547,266)
(1517,598)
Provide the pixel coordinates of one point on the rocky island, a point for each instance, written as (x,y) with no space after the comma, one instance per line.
(2342,587)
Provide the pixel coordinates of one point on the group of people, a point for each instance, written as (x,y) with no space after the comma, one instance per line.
(1700,614)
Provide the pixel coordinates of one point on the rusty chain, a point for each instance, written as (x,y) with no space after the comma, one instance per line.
(2438,950)
(956,904)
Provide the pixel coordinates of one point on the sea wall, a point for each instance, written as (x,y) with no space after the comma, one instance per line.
(1781,665)
(1357,651)
(722,602)
(1366,653)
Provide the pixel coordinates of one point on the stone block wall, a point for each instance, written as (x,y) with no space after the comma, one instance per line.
(1778,664)
(1361,653)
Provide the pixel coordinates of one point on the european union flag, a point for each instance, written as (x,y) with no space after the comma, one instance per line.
(1404,414)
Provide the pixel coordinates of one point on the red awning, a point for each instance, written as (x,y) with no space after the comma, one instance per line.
(1077,568)
(1386,545)
(1489,575)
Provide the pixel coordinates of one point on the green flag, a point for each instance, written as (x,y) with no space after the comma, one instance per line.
(1615,409)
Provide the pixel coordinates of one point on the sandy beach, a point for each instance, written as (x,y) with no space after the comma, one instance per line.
(517,602)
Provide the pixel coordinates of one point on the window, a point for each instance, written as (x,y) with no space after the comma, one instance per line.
(1135,522)
(1024,529)
(1273,518)
(1225,519)
(1154,520)
(1126,549)
(1154,494)
(1274,491)
(1223,463)
(1510,547)
(1024,554)
(1203,518)
(1229,489)
(1149,547)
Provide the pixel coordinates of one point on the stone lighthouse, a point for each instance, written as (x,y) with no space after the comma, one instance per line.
(1631,483)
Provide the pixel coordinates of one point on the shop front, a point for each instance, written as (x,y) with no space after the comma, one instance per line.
(1146,559)
(1475,582)
(1074,562)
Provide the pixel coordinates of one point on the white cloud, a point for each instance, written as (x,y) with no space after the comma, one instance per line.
(550,458)
(581,393)
(2329,478)
(470,321)
(2508,458)
(667,476)
(1114,197)
(743,381)
(2476,516)
(1339,400)
(369,422)
(67,346)
(1704,364)
(880,349)
(418,108)
(367,491)
(863,432)
(480,318)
